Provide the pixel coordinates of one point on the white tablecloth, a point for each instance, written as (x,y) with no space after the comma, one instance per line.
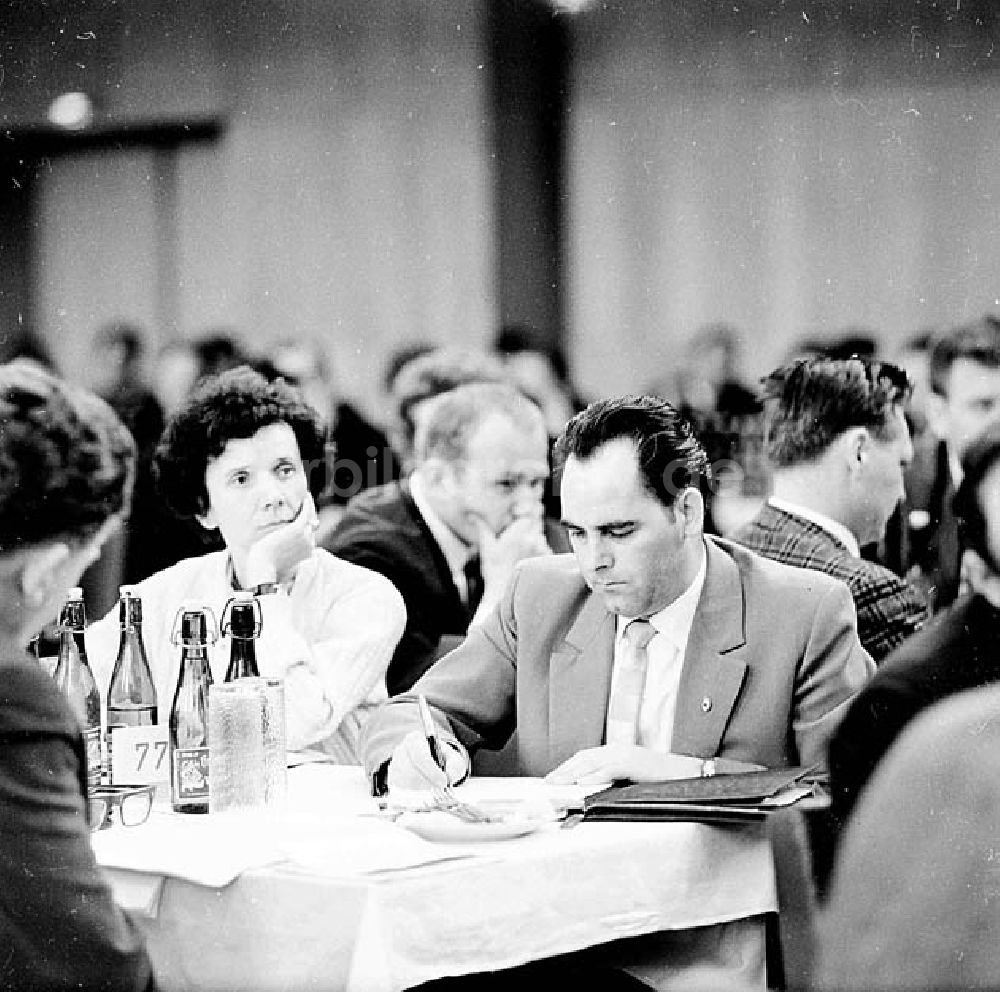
(329,896)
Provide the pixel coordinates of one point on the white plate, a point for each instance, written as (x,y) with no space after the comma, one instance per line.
(435,825)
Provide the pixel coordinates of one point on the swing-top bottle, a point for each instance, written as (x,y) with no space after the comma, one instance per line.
(188,724)
(73,675)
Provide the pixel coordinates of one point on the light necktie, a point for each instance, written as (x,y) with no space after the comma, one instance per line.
(630,678)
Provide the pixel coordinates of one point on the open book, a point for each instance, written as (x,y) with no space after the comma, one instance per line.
(720,798)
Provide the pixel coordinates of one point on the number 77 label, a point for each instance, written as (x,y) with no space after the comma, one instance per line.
(138,755)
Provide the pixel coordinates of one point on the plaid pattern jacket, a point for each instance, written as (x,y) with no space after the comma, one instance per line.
(889,609)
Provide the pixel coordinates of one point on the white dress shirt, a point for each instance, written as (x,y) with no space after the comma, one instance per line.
(831,526)
(456,552)
(666,658)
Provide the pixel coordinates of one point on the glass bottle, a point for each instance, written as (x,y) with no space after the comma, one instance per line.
(131,693)
(73,675)
(188,724)
(243,629)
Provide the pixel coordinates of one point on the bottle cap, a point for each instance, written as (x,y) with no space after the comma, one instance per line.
(194,627)
(129,605)
(191,625)
(243,619)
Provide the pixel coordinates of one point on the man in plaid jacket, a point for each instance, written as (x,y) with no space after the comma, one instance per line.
(838,442)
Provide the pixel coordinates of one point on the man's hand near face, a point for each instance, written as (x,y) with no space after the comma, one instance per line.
(500,553)
(277,555)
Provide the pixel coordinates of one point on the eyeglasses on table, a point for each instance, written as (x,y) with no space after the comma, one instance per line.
(132,803)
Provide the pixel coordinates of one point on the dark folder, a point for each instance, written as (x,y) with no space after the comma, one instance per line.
(720,798)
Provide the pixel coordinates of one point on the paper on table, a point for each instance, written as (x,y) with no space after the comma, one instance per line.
(203,849)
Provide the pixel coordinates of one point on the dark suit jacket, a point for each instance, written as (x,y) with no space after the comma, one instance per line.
(956,650)
(772,659)
(922,540)
(59,925)
(383,530)
(889,608)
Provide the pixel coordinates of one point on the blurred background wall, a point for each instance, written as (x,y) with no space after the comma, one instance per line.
(368,172)
(793,169)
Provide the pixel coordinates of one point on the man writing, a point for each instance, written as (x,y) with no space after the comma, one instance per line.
(725,685)
(838,443)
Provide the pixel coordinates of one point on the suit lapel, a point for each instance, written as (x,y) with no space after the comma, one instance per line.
(580,682)
(714,668)
(445,580)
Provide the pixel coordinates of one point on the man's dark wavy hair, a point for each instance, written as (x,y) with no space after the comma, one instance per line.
(231,405)
(811,402)
(67,463)
(671,458)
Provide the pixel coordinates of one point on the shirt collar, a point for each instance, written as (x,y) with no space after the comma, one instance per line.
(675,619)
(456,552)
(831,526)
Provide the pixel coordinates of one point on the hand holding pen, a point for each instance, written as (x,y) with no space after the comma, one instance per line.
(421,760)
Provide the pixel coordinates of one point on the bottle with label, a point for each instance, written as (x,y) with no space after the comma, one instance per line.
(243,628)
(132,693)
(188,725)
(73,675)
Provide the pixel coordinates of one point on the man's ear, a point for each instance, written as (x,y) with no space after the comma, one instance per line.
(690,506)
(440,474)
(854,445)
(43,571)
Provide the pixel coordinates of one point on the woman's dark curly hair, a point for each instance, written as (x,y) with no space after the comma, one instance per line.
(67,463)
(233,404)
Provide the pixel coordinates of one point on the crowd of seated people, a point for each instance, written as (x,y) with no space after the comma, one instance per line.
(493,522)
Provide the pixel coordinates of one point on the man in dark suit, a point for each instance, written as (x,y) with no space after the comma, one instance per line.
(723,686)
(956,651)
(837,439)
(450,535)
(922,539)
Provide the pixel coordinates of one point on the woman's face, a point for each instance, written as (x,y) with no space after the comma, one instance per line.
(255,485)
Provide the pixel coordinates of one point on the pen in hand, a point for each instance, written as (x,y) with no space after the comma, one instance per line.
(430,733)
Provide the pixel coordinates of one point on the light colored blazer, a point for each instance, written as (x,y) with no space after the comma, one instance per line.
(771,662)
